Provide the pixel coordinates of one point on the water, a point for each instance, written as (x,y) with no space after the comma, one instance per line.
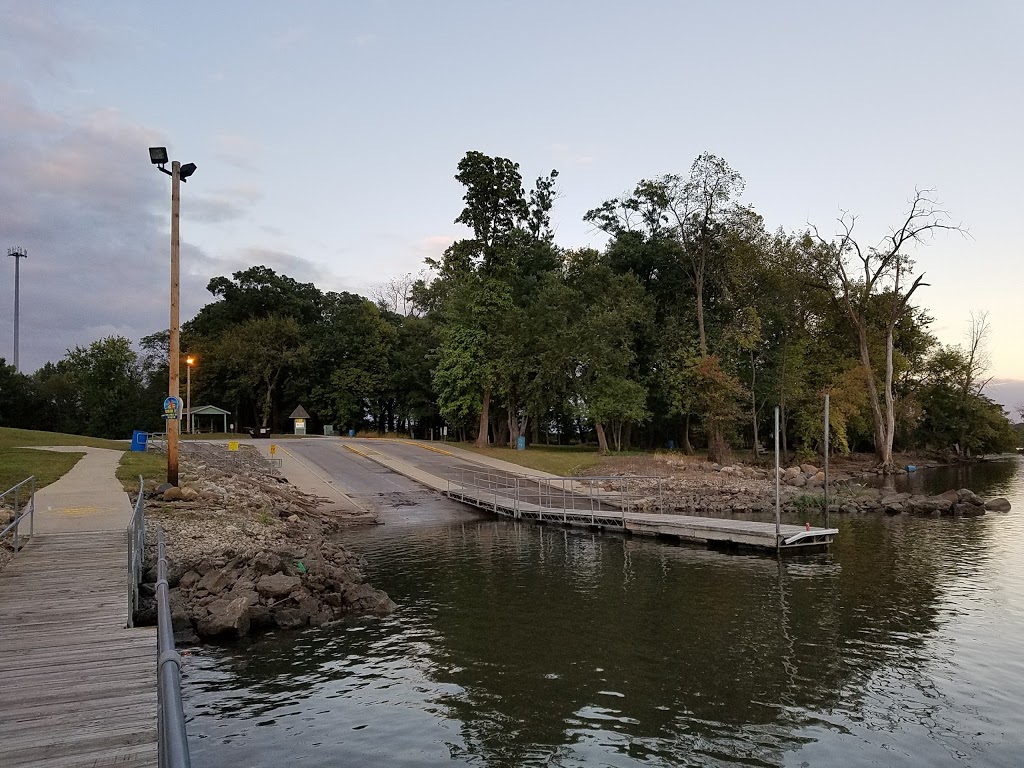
(523,645)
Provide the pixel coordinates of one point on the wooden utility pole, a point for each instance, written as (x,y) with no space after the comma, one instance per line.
(172,387)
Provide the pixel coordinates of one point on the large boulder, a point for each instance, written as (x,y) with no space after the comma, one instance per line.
(970,497)
(366,599)
(809,469)
(172,494)
(225,617)
(215,581)
(790,474)
(998,505)
(267,562)
(277,585)
(965,509)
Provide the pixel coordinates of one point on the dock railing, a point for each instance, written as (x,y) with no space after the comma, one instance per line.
(136,552)
(21,498)
(604,500)
(172,738)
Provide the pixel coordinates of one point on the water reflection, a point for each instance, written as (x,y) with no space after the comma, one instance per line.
(523,645)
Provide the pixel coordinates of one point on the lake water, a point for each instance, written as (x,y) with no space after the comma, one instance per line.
(522,645)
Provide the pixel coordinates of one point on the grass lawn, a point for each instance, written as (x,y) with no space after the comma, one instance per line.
(16,463)
(565,460)
(150,464)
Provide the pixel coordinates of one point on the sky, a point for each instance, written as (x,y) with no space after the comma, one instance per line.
(327,134)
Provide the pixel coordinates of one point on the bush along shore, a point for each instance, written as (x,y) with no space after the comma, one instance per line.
(248,552)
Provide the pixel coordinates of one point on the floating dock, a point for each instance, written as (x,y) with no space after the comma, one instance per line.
(610,503)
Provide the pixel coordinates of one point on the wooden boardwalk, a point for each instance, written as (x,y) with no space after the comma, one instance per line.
(77,688)
(604,514)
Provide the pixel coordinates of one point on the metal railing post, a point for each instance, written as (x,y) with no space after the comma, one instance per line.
(173,749)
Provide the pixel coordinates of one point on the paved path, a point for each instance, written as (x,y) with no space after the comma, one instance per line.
(77,689)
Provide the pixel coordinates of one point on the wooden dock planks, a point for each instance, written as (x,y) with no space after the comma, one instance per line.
(77,688)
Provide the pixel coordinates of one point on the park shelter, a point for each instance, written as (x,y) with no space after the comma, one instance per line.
(299,417)
(208,410)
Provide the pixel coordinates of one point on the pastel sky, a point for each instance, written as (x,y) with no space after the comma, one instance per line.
(326,136)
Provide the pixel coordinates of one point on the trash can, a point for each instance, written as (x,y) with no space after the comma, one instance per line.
(139,440)
(351,433)
(520,443)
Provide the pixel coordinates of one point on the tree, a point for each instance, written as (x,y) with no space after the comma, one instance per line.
(876,284)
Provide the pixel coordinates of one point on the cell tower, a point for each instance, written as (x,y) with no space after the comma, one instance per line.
(18,254)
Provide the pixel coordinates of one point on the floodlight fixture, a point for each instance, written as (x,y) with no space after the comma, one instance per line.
(186,170)
(158,155)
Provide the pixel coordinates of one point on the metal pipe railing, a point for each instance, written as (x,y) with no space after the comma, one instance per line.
(172,739)
(136,550)
(20,512)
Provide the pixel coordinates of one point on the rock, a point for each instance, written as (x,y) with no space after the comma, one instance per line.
(226,617)
(949,496)
(998,505)
(172,494)
(163,487)
(965,509)
(791,473)
(189,494)
(894,508)
(848,509)
(970,497)
(366,599)
(292,518)
(288,618)
(215,581)
(277,585)
(819,477)
(179,611)
(808,469)
(267,562)
(797,482)
(189,580)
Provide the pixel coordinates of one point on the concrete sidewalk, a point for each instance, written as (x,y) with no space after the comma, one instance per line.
(87,498)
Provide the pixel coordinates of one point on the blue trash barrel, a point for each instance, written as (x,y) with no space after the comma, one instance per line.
(671,445)
(911,468)
(139,440)
(351,433)
(520,443)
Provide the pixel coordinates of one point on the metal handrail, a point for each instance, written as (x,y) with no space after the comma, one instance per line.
(136,551)
(172,739)
(19,515)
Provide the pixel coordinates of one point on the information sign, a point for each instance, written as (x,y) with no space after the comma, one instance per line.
(172,408)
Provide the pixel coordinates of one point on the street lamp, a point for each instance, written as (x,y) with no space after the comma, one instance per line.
(178,173)
(189,362)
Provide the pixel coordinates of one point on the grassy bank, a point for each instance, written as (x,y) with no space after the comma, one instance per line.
(558,460)
(149,464)
(18,461)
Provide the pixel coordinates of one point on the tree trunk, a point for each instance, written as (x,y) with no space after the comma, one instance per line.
(883,451)
(700,316)
(602,441)
(687,446)
(485,417)
(753,405)
(890,401)
(718,446)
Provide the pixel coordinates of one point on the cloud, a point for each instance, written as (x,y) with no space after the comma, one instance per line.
(434,246)
(237,150)
(365,40)
(1009,393)
(36,41)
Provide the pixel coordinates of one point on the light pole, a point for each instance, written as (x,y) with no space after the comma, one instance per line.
(189,362)
(18,254)
(178,174)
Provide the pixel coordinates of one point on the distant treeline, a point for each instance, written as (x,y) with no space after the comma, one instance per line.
(690,326)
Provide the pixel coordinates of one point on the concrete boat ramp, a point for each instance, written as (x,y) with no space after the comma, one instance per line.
(633,505)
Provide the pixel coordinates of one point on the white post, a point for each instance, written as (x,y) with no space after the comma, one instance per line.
(778,506)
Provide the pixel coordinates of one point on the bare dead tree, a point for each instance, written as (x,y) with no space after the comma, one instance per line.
(978,358)
(395,295)
(864,279)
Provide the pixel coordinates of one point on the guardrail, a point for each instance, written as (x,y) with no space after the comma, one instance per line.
(136,552)
(172,739)
(14,496)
